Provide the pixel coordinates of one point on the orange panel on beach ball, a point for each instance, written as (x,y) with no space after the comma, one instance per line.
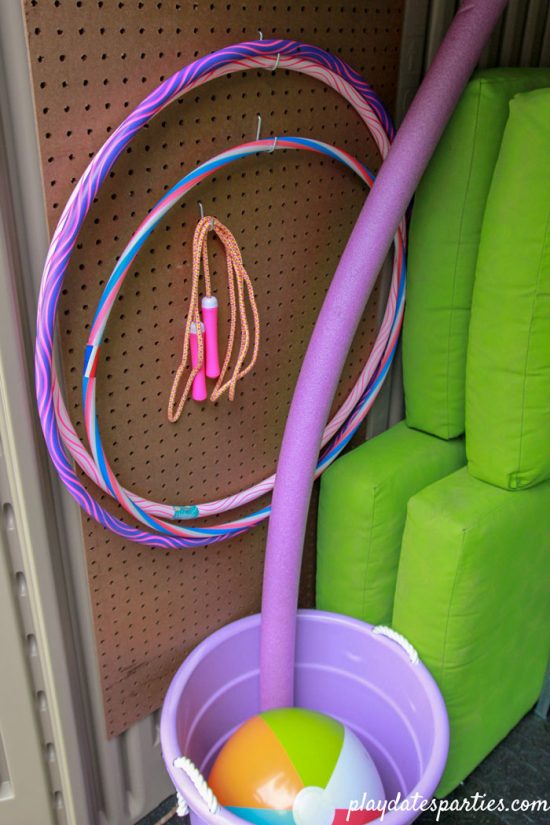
(270,779)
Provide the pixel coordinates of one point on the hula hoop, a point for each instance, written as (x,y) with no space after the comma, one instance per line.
(292,56)
(102,472)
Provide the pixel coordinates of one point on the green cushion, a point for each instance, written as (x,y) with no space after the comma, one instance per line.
(473,595)
(444,238)
(508,368)
(361,517)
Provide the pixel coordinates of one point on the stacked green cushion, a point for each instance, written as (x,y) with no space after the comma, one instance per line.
(473,595)
(444,239)
(508,374)
(362,510)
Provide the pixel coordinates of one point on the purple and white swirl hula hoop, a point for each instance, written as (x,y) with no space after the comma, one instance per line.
(61,439)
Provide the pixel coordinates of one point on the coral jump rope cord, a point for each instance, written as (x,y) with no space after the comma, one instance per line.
(338,432)
(237,280)
(59,433)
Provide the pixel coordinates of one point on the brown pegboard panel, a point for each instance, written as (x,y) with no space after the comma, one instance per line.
(92,61)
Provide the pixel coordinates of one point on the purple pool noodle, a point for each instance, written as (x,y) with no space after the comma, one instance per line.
(333,334)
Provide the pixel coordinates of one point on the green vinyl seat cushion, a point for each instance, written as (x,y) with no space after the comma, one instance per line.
(444,238)
(508,367)
(473,596)
(362,509)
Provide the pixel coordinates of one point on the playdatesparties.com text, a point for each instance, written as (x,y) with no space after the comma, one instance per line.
(476,802)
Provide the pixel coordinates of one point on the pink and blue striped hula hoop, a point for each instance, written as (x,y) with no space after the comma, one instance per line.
(150,512)
(58,431)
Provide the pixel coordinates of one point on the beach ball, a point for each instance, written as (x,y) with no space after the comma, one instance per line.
(292,766)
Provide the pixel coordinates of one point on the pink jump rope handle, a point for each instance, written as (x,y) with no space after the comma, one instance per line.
(209,305)
(198,392)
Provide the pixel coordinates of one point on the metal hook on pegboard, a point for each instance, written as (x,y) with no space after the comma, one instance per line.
(277,59)
(259,131)
(201,213)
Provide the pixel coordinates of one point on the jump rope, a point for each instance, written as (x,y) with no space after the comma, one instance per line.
(200,340)
(63,442)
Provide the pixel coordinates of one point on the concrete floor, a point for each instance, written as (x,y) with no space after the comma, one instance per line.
(519,768)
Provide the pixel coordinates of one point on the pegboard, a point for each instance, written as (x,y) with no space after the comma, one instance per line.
(92,61)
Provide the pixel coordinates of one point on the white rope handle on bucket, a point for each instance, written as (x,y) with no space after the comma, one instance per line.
(205,791)
(382,630)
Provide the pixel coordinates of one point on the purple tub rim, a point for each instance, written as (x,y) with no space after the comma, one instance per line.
(424,788)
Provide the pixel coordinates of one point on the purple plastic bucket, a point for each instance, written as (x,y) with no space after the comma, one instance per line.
(344,669)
